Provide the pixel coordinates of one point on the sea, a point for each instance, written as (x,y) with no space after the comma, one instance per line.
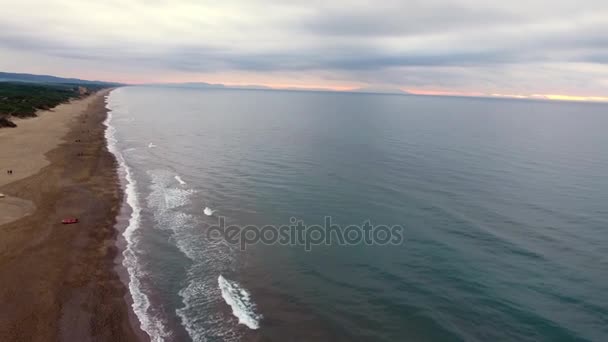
(501,205)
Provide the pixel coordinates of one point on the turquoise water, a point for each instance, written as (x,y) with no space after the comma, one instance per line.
(503,205)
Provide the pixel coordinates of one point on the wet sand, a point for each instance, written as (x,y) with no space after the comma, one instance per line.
(59,282)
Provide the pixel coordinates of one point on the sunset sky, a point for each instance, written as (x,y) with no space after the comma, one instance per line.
(516,48)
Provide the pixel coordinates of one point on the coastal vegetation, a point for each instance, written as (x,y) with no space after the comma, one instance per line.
(21,99)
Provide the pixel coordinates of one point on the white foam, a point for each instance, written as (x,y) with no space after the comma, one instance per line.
(199,316)
(163,197)
(180,180)
(151,145)
(240,301)
(207,211)
(153,326)
(166,202)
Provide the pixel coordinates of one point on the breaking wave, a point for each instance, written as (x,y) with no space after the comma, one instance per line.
(240,301)
(180,180)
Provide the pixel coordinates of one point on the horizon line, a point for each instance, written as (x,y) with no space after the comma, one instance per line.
(388,91)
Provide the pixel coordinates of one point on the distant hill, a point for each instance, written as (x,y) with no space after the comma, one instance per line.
(204,85)
(187,85)
(379,90)
(21,95)
(15,77)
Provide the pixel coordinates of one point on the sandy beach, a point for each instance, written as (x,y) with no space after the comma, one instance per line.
(58,282)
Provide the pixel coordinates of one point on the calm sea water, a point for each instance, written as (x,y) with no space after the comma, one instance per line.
(504,206)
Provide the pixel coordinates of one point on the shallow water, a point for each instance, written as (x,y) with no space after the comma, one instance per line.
(502,202)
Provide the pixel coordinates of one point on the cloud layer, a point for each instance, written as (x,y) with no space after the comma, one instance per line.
(465,46)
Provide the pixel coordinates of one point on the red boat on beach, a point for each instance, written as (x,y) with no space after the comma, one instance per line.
(69,221)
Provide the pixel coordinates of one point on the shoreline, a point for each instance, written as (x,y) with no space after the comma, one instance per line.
(62,282)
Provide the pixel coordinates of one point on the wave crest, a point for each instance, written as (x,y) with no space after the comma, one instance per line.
(240,301)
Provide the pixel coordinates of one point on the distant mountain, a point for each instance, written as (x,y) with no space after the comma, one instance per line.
(204,85)
(210,85)
(15,77)
(188,85)
(379,90)
(251,86)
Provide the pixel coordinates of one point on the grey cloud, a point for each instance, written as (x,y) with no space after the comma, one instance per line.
(457,43)
(404,18)
(599,58)
(323,59)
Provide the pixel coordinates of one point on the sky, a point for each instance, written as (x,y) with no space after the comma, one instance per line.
(553,49)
